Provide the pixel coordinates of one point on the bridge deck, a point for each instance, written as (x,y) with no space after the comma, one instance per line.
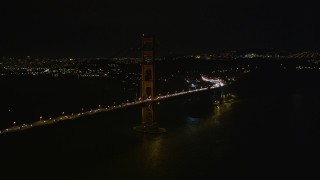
(99,110)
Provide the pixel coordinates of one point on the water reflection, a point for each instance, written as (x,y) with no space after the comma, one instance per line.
(192,120)
(207,122)
(220,109)
(152,148)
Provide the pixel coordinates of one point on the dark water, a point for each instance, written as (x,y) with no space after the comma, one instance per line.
(262,136)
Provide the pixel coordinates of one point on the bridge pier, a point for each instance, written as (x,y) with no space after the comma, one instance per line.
(148,122)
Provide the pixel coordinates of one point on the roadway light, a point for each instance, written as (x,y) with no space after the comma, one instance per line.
(40,118)
(14,123)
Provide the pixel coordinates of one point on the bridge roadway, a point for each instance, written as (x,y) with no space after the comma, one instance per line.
(95,111)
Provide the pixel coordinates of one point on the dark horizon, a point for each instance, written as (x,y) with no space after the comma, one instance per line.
(107,29)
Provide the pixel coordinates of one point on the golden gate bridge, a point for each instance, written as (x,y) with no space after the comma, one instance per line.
(147,97)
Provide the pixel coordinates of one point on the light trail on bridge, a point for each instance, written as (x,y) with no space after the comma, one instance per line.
(72,116)
(217,82)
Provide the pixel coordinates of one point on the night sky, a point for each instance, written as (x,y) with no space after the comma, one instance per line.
(113,27)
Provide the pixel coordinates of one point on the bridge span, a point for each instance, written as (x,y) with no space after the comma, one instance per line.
(43,122)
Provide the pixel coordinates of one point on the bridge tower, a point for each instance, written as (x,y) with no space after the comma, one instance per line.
(148,122)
